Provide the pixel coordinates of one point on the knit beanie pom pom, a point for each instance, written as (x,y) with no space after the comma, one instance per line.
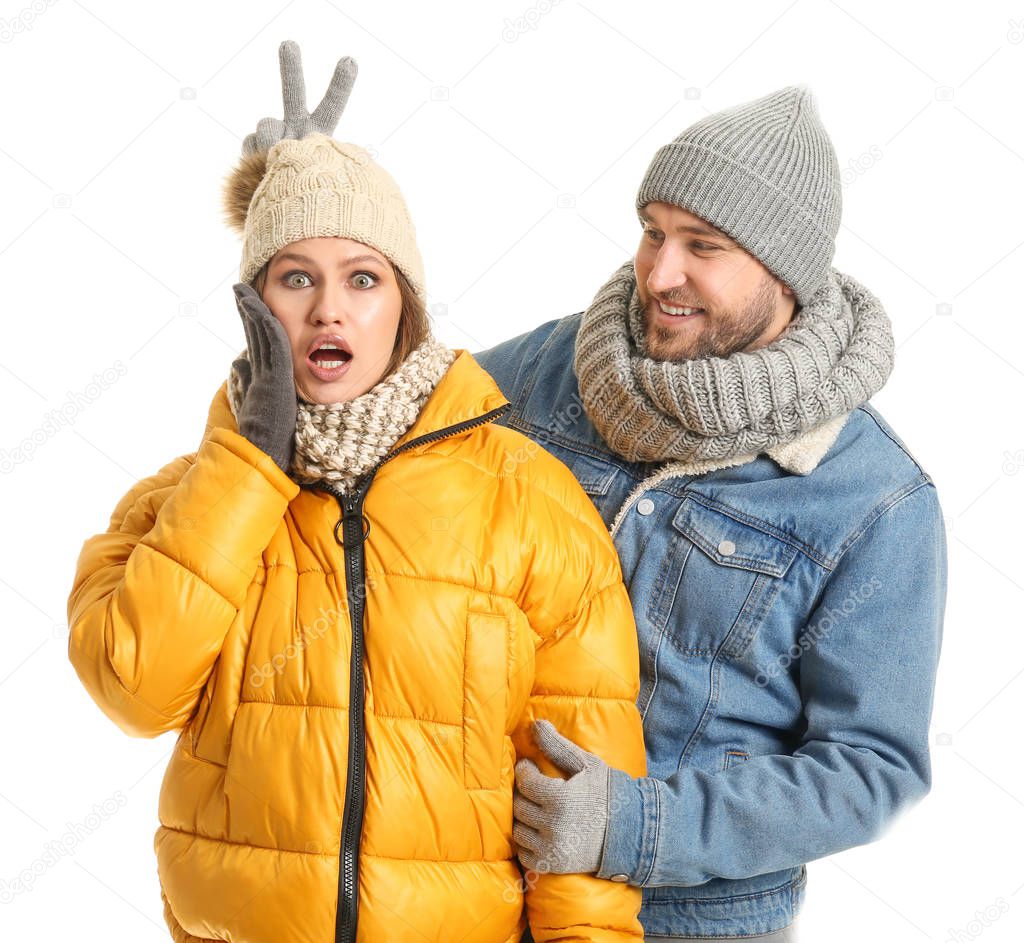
(239,187)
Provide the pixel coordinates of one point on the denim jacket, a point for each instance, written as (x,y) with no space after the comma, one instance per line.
(789,629)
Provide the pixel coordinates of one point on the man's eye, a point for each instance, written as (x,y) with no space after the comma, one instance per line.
(290,278)
(653,235)
(705,247)
(364,280)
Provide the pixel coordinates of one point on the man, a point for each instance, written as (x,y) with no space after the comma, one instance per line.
(784,552)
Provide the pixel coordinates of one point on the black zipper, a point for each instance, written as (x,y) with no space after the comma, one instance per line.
(354,536)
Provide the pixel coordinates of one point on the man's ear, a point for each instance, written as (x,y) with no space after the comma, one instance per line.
(788,292)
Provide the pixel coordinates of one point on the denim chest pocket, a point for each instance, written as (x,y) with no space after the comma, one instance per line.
(729,573)
(595,477)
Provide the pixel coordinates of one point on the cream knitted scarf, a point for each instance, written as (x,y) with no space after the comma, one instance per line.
(338,442)
(836,353)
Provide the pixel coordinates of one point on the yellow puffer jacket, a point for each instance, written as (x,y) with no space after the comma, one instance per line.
(486,592)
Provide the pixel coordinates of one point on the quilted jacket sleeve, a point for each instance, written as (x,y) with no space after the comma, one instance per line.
(153,597)
(587,678)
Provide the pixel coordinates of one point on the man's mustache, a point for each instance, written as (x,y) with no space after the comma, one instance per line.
(674,299)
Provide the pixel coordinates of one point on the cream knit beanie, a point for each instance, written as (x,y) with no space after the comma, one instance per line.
(316,186)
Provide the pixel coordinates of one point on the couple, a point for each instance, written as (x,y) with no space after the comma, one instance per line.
(603,632)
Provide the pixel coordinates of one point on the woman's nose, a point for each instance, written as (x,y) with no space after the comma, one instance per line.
(328,307)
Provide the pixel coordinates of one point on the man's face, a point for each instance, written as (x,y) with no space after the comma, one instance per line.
(703,295)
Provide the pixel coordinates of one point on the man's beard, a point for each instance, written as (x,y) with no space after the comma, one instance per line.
(721,335)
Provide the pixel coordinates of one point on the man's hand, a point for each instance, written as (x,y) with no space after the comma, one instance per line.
(561,823)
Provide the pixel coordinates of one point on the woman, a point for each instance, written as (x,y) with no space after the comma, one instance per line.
(353,503)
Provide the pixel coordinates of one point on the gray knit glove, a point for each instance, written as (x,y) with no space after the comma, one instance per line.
(269,405)
(298,122)
(561,823)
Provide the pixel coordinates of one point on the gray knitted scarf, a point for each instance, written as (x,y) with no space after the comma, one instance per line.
(835,354)
(337,442)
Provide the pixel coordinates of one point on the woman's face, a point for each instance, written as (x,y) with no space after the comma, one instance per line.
(335,290)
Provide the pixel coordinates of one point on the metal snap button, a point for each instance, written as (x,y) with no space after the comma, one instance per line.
(621,878)
(727,548)
(644,506)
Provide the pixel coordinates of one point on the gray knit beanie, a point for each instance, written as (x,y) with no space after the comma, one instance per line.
(766,174)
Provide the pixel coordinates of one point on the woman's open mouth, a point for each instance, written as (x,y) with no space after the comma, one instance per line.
(329,362)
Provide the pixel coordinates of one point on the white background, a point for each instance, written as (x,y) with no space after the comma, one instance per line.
(519,133)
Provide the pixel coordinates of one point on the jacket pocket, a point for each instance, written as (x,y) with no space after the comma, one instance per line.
(485,699)
(595,477)
(195,727)
(731,573)
(732,757)
(210,731)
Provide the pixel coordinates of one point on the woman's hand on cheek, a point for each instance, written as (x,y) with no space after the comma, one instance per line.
(269,403)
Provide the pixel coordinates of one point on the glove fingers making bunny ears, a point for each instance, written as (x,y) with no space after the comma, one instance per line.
(298,121)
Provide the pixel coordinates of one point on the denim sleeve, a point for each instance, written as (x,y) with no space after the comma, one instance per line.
(867,676)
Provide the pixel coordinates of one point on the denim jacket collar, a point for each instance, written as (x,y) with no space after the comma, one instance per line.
(799,456)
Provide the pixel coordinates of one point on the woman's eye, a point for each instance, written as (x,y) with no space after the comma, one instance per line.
(364,280)
(290,280)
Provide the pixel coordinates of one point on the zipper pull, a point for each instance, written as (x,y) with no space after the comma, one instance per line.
(354,523)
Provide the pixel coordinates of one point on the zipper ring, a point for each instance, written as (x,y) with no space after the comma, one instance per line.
(340,540)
